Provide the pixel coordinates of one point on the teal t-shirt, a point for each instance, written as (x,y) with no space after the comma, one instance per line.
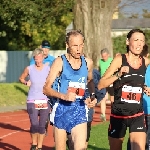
(104,65)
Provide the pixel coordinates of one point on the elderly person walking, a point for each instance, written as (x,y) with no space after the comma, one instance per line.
(36,100)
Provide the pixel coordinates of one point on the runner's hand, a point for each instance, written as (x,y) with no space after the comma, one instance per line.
(28,83)
(93,103)
(147,90)
(70,96)
(124,69)
(90,103)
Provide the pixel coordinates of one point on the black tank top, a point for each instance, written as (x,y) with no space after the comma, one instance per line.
(128,91)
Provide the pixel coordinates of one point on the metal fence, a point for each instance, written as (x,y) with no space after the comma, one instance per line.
(12,63)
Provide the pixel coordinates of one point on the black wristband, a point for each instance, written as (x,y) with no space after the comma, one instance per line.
(92,96)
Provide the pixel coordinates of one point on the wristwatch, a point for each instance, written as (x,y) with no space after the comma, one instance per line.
(92,96)
(118,76)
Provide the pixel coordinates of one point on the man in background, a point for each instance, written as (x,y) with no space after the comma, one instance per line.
(104,63)
(48,59)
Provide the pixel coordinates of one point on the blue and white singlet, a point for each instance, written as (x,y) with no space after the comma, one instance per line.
(66,115)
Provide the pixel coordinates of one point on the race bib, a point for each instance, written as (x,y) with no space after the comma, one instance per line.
(131,94)
(78,88)
(40,104)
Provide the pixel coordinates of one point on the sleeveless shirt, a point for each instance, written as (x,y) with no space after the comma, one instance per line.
(38,79)
(73,80)
(128,91)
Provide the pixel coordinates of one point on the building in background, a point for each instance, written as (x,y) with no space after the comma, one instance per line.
(123,26)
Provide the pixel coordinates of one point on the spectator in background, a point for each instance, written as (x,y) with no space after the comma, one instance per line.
(104,63)
(48,59)
(37,103)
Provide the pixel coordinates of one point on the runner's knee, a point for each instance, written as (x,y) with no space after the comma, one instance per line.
(41,130)
(34,129)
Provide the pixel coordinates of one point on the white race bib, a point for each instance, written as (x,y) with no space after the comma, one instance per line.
(40,104)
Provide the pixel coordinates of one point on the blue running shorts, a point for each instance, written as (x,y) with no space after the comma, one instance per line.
(66,115)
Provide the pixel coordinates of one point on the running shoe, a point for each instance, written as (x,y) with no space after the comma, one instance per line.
(33,147)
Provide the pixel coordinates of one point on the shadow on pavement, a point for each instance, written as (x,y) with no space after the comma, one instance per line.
(6,146)
(11,127)
(47,148)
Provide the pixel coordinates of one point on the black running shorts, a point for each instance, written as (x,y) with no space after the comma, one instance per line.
(118,126)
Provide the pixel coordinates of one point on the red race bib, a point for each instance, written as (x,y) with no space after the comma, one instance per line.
(78,88)
(131,94)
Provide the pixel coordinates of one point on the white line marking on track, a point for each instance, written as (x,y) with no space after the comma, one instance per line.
(11,133)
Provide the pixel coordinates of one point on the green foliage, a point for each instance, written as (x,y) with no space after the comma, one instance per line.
(134,16)
(146,13)
(25,23)
(119,45)
(147,35)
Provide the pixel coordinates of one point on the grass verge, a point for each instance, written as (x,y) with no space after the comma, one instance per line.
(13,94)
(99,139)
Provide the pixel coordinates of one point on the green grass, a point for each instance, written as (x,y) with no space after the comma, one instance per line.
(13,94)
(99,139)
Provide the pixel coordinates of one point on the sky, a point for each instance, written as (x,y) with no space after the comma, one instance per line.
(135,8)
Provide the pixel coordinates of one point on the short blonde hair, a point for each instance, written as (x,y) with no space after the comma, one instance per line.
(37,51)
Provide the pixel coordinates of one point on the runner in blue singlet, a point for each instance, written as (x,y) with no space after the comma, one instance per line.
(70,112)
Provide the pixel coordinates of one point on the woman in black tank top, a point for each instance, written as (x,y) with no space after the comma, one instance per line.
(127,74)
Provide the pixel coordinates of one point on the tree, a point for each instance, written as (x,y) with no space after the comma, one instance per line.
(24,23)
(94,18)
(133,8)
(134,16)
(146,13)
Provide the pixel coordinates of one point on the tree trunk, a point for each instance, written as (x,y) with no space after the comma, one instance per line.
(94,18)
